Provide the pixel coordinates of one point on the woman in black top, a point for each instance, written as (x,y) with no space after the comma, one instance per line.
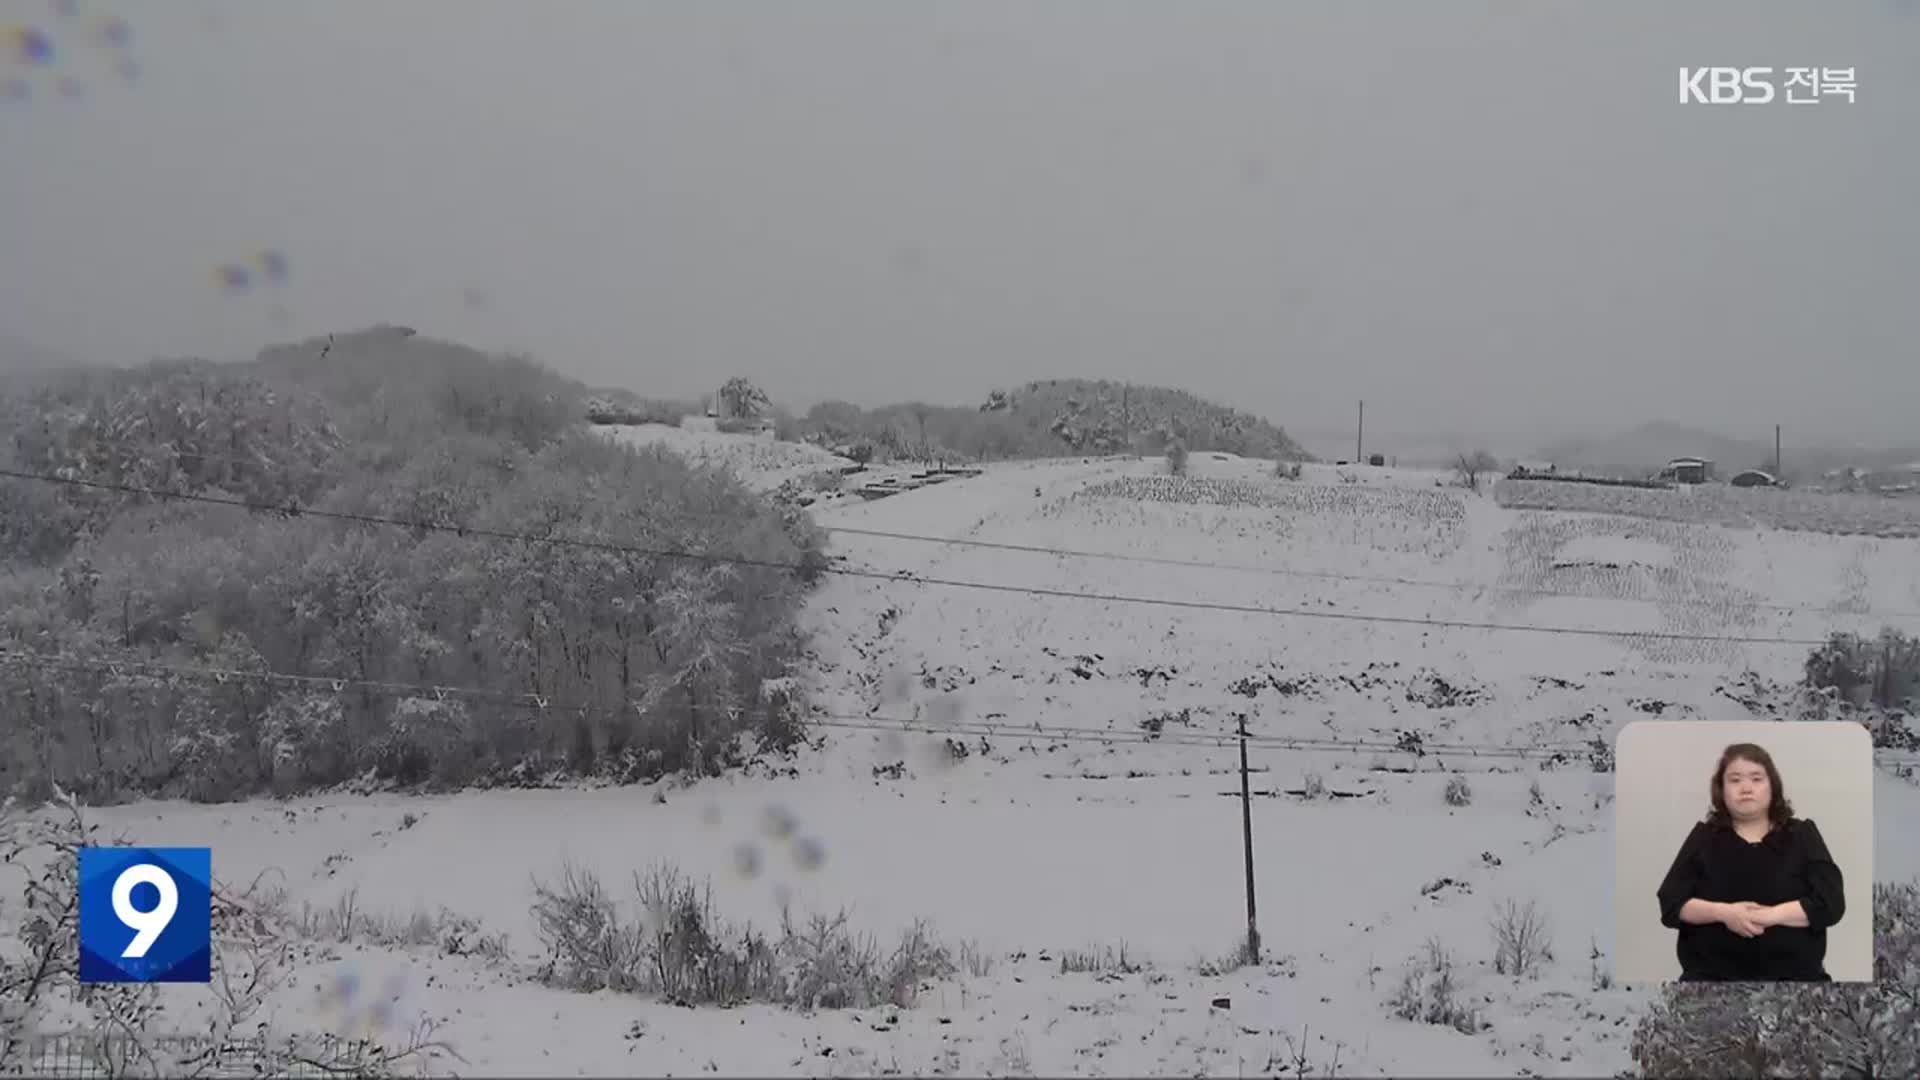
(1753,889)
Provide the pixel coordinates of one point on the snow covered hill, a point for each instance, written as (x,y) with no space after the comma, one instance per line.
(1022,745)
(760,461)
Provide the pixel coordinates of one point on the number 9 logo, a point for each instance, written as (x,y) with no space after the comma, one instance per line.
(146,914)
(147,925)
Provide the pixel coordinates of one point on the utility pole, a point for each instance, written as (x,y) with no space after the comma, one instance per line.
(1360,435)
(1246,836)
(1776,451)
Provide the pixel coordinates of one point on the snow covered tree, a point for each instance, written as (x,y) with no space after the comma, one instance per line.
(1471,467)
(741,400)
(395,427)
(1840,1030)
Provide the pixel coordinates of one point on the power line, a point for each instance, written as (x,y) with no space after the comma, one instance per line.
(1203,564)
(875,723)
(915,578)
(465,531)
(872,722)
(224,676)
(124,457)
(1327,575)
(1052,732)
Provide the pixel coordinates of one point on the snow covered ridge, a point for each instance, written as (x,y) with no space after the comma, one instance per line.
(760,461)
(1714,504)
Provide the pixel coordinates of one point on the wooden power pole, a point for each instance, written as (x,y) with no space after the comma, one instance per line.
(1246,837)
(1360,436)
(1776,451)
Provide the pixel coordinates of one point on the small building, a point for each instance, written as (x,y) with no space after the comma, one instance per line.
(1755,478)
(1900,481)
(1688,470)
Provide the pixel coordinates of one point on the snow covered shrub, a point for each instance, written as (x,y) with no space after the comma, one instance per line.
(1177,458)
(679,948)
(826,965)
(302,740)
(590,944)
(1429,994)
(210,764)
(1838,1030)
(602,410)
(973,960)
(1314,787)
(917,959)
(1098,959)
(832,967)
(1600,755)
(426,739)
(1883,672)
(1522,939)
(346,922)
(691,958)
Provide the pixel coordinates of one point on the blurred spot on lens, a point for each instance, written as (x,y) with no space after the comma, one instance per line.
(780,823)
(898,685)
(746,860)
(29,44)
(114,32)
(273,266)
(232,278)
(945,710)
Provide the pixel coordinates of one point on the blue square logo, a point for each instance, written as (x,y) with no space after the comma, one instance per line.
(146,915)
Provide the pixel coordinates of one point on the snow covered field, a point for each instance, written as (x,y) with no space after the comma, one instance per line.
(1355,625)
(761,462)
(1718,504)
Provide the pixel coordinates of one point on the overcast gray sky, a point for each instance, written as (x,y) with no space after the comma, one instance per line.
(1477,217)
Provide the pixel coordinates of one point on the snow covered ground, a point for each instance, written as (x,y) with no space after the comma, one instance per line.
(1354,624)
(761,461)
(1774,508)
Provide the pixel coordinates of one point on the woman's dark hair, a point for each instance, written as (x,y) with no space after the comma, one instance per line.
(1779,811)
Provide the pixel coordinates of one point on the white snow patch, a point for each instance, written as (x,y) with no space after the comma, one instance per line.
(760,461)
(1613,552)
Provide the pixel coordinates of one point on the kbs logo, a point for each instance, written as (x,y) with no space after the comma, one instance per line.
(1756,85)
(146,915)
